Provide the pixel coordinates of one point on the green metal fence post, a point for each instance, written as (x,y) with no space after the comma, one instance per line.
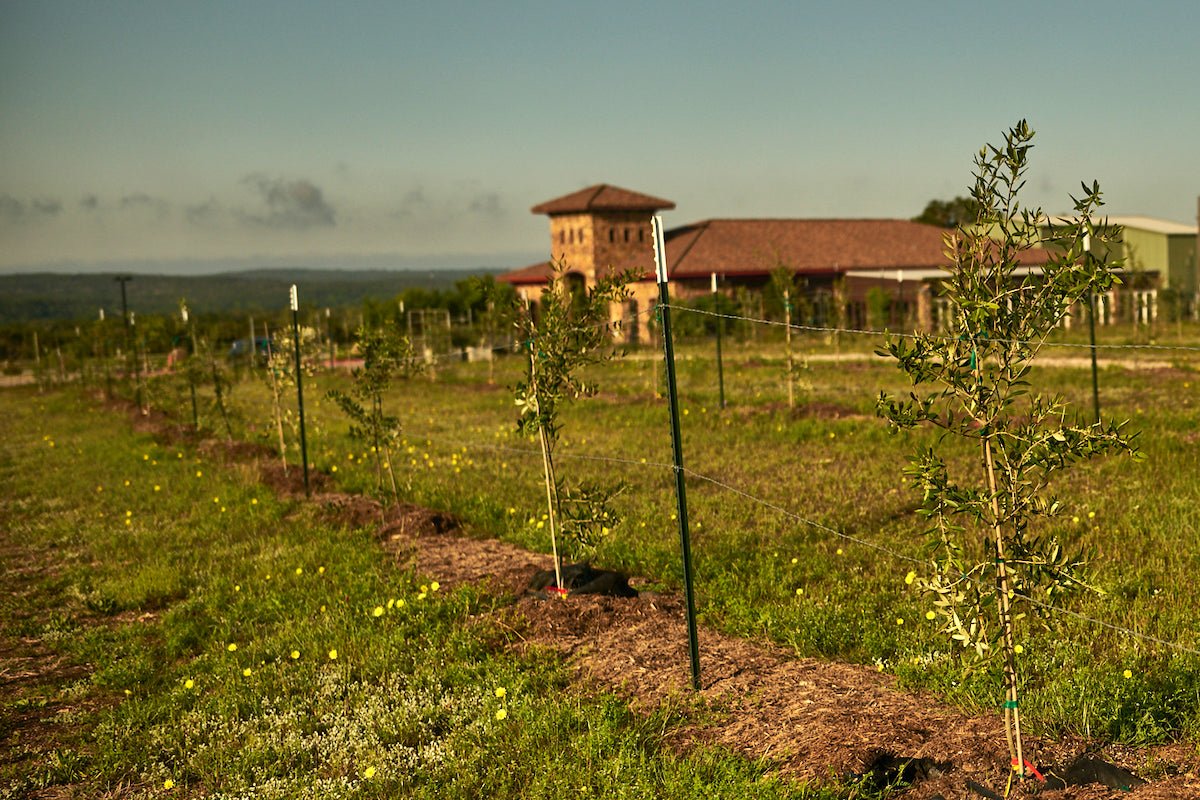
(295,303)
(660,263)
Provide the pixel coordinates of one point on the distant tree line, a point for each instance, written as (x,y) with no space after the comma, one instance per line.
(468,302)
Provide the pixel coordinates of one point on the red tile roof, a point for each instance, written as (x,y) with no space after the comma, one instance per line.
(754,247)
(535,273)
(601,197)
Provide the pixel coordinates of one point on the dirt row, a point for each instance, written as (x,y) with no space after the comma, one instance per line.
(813,720)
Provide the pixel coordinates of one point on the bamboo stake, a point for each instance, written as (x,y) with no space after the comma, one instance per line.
(547,469)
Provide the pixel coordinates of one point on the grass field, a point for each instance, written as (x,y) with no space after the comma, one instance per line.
(765,574)
(128,596)
(180,631)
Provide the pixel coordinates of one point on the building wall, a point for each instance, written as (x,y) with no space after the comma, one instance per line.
(588,242)
(1182,260)
(1145,251)
(573,240)
(623,240)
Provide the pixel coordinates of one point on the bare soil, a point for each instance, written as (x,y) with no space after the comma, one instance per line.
(816,720)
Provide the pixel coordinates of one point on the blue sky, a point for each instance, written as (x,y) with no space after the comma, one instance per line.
(323,133)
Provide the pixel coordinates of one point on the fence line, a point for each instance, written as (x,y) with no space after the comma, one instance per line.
(821,527)
(900,335)
(454,355)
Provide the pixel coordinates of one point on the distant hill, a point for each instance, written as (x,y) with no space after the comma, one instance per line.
(50,296)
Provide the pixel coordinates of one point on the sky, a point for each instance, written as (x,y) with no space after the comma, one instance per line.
(186,137)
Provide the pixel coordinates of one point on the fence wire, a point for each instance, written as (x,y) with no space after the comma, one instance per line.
(787,513)
(901,335)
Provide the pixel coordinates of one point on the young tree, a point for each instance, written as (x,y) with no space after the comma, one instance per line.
(949,213)
(988,555)
(570,333)
(783,282)
(386,356)
(492,304)
(280,377)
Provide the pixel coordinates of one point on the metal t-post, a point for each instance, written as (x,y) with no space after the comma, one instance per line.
(295,302)
(664,300)
(1087,249)
(329,336)
(183,313)
(720,324)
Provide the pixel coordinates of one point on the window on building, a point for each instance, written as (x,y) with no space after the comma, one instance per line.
(641,235)
(612,234)
(627,234)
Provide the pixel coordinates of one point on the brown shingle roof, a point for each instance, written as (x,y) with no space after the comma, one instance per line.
(601,197)
(808,246)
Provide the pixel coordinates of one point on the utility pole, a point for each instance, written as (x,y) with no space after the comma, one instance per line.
(129,341)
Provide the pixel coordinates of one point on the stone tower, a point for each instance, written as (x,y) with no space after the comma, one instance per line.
(602,227)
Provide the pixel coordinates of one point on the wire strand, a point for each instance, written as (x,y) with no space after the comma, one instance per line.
(816,525)
(871,332)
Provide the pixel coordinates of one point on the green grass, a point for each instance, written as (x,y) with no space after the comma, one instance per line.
(205,638)
(1139,522)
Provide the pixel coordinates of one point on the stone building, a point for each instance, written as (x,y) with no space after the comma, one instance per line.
(845,266)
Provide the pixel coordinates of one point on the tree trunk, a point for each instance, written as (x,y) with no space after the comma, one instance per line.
(1012,711)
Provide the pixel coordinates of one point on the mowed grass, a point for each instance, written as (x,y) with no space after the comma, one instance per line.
(831,464)
(193,635)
